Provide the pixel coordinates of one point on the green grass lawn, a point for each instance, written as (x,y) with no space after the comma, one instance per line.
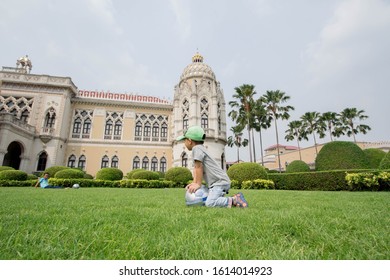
(146,224)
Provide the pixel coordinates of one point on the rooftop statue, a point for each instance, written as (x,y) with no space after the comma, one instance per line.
(25,63)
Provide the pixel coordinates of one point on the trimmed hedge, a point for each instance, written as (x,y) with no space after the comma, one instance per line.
(69,173)
(179,175)
(339,155)
(246,171)
(109,174)
(385,162)
(146,175)
(130,174)
(2,168)
(297,166)
(374,156)
(16,175)
(54,169)
(12,183)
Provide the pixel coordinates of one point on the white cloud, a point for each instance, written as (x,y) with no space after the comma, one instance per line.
(355,36)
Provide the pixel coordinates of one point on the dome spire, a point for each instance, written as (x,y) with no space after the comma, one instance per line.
(197,57)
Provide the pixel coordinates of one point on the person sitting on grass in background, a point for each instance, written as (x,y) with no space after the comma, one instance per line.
(44,182)
(207,169)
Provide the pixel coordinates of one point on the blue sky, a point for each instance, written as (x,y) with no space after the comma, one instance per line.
(326,55)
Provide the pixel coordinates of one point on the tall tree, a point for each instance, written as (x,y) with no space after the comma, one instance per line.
(237,140)
(242,113)
(273,101)
(260,121)
(348,117)
(295,131)
(313,124)
(332,123)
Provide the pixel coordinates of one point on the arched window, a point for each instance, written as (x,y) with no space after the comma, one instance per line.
(147,129)
(115,162)
(136,163)
(154,166)
(50,118)
(87,126)
(185,122)
(76,126)
(138,129)
(42,161)
(105,161)
(82,162)
(155,131)
(163,164)
(72,161)
(184,159)
(204,121)
(118,128)
(164,132)
(145,163)
(108,128)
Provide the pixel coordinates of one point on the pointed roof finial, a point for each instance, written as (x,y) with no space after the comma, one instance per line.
(197,57)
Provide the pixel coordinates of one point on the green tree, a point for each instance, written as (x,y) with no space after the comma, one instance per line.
(348,117)
(332,124)
(260,121)
(273,101)
(236,140)
(295,131)
(241,112)
(313,124)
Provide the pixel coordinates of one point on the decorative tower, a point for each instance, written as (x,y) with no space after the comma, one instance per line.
(199,100)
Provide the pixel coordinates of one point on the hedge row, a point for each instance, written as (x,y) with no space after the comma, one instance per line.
(321,180)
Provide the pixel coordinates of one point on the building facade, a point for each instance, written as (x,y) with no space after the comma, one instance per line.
(46,121)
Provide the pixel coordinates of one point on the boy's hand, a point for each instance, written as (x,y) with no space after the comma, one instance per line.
(193,187)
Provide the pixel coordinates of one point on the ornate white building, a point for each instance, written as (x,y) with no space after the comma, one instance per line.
(46,121)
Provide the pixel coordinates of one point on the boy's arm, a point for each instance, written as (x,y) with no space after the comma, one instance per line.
(198,177)
(36,185)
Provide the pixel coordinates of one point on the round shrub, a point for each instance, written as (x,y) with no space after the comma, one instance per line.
(87,176)
(374,156)
(69,173)
(31,177)
(15,175)
(245,171)
(6,168)
(54,169)
(385,162)
(340,155)
(179,175)
(109,174)
(130,174)
(297,166)
(146,175)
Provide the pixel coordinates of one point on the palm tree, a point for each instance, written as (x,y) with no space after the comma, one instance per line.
(348,116)
(312,124)
(272,101)
(295,131)
(236,140)
(261,121)
(242,115)
(332,124)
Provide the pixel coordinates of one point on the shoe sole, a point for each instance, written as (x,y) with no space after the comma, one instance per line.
(241,201)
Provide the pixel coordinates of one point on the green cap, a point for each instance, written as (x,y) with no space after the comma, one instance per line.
(195,133)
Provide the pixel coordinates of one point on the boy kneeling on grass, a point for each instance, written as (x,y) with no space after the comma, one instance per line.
(205,167)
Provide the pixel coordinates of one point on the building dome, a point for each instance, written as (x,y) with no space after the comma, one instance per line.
(197,69)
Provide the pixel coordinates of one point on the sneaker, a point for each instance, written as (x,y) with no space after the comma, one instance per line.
(240,200)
